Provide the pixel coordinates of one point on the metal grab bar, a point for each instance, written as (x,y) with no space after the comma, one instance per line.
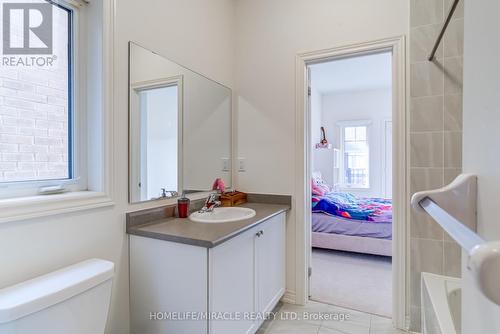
(463,235)
(443,29)
(460,199)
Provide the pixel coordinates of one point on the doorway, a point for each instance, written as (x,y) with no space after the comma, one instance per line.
(351,178)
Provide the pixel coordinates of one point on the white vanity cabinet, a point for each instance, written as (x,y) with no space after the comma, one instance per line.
(270,263)
(239,279)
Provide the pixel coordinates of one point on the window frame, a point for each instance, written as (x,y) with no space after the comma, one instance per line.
(77,153)
(342,126)
(96,18)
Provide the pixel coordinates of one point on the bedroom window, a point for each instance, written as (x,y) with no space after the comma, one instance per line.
(356,156)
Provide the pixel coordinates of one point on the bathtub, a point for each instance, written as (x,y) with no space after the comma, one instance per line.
(441,304)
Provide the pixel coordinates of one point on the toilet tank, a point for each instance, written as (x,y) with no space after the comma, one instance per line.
(72,300)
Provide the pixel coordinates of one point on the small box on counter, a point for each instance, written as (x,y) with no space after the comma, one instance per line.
(233,198)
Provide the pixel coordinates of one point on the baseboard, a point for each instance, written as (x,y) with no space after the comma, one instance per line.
(289,297)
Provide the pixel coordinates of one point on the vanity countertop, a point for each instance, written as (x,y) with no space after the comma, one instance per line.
(183,230)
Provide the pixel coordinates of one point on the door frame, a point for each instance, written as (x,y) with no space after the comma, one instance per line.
(303,150)
(383,157)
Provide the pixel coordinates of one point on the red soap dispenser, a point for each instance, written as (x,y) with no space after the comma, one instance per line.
(183,206)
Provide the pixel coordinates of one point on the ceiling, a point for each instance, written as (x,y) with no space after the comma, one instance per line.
(352,74)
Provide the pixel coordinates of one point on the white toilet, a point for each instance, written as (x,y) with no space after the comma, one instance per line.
(73,300)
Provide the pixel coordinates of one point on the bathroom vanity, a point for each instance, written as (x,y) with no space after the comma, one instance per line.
(193,276)
(188,277)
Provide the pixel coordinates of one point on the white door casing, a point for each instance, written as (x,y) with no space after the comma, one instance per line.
(302,202)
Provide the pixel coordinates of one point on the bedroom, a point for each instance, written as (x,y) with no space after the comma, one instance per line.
(351,173)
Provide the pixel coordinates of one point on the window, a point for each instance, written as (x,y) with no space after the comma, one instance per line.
(355,155)
(39,114)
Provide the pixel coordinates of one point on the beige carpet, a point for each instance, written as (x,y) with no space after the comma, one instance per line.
(358,281)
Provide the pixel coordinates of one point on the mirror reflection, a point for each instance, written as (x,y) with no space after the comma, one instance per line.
(180,128)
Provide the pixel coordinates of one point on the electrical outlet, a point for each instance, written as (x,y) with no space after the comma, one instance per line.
(226,165)
(241,165)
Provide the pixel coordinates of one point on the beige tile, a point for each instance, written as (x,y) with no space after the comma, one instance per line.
(423,226)
(311,307)
(355,321)
(415,281)
(453,75)
(453,40)
(459,11)
(422,40)
(326,330)
(378,320)
(347,327)
(452,259)
(381,325)
(426,79)
(450,174)
(291,327)
(426,113)
(453,149)
(453,112)
(425,256)
(357,317)
(425,179)
(423,12)
(426,149)
(415,319)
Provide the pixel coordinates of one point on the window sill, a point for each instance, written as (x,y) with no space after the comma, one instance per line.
(46,205)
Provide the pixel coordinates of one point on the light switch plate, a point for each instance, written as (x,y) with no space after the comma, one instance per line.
(226,165)
(241,165)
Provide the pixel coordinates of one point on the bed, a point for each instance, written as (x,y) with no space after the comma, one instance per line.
(343,221)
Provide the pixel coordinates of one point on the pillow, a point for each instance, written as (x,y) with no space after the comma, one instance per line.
(317,190)
(318,185)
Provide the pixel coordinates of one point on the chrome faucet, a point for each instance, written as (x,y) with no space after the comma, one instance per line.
(168,193)
(210,204)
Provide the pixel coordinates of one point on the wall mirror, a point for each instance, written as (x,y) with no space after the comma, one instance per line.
(179,126)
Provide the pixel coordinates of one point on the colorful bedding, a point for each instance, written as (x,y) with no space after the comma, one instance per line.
(347,205)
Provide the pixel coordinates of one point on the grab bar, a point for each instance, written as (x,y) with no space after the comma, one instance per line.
(463,235)
(454,208)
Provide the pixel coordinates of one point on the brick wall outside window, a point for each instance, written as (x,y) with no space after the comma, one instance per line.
(34,115)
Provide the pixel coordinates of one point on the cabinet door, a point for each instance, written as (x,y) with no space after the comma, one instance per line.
(166,277)
(232,284)
(270,246)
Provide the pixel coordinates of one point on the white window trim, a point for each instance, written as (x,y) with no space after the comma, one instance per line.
(353,123)
(100,160)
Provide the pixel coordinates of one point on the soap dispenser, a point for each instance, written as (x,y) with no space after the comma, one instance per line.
(183,206)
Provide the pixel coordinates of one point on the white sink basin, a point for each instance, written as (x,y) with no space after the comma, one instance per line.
(222,215)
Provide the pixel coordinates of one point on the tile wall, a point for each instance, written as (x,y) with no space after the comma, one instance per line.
(435,135)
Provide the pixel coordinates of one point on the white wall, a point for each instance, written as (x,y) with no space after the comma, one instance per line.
(177,29)
(481,120)
(372,105)
(270,34)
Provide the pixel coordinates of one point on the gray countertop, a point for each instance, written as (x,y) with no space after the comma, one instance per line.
(183,230)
